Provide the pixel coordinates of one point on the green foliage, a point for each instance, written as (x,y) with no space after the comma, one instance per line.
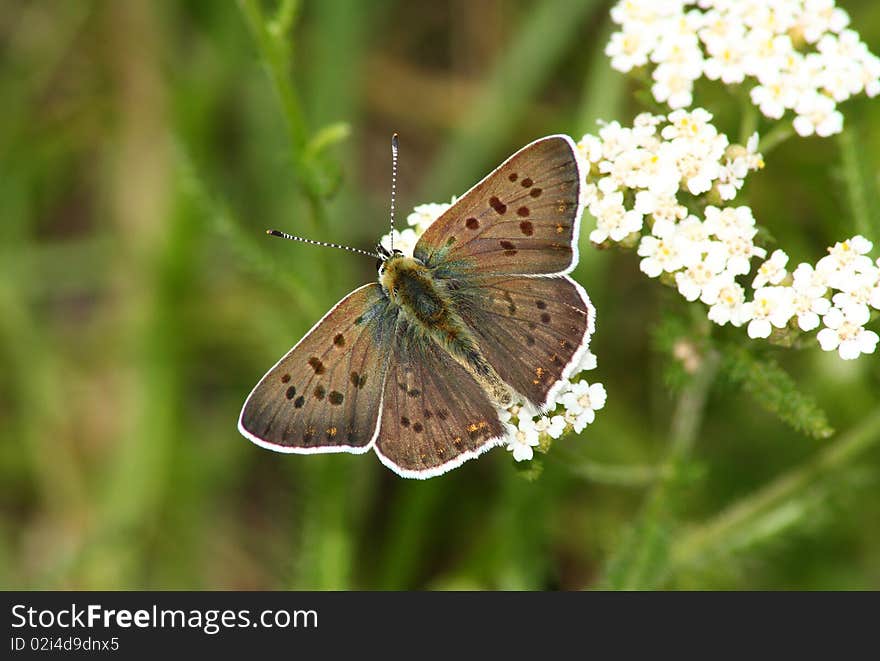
(774,390)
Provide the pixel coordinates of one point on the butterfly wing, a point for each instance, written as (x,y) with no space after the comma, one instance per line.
(520,219)
(325,394)
(504,248)
(533,331)
(435,416)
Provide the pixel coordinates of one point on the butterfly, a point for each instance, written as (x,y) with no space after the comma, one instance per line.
(483,314)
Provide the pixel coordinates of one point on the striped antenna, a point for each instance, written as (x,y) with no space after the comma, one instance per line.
(323,244)
(394,147)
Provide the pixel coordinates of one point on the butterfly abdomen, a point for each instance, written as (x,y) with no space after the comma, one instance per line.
(430,309)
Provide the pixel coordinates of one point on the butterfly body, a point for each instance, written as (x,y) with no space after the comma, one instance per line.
(428,308)
(415,365)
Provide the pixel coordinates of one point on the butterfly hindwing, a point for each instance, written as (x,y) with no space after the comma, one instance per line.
(519,219)
(533,331)
(324,395)
(435,416)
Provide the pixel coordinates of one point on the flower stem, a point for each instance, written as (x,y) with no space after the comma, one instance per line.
(273,48)
(739,523)
(643,556)
(865,222)
(775,137)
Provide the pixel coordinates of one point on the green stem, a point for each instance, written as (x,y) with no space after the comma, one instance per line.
(749,121)
(621,475)
(642,558)
(856,186)
(734,526)
(775,137)
(274,51)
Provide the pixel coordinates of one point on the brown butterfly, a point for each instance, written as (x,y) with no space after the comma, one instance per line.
(415,365)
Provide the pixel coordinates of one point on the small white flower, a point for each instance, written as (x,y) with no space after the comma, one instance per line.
(581,402)
(659,255)
(553,426)
(817,113)
(697,277)
(859,290)
(846,333)
(772,306)
(808,297)
(771,271)
(729,301)
(423,216)
(404,240)
(613,220)
(522,438)
(588,362)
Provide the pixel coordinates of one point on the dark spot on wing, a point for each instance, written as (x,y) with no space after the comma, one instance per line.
(358,321)
(542,305)
(472,223)
(415,392)
(285,378)
(291,393)
(498,205)
(339,340)
(336,398)
(526,227)
(512,176)
(527,183)
(535,192)
(316,364)
(545,317)
(417,428)
(509,248)
(299,402)
(404,421)
(522,212)
(319,392)
(530,340)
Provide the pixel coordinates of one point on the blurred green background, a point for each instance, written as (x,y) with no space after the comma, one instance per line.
(145,146)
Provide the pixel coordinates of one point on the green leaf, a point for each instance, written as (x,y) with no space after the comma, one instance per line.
(775,391)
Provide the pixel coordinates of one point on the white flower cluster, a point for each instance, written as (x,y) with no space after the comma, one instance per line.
(639,178)
(574,408)
(576,402)
(794,55)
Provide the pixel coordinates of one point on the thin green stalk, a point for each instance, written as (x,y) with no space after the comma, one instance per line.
(775,137)
(641,559)
(620,475)
(748,120)
(739,523)
(274,50)
(854,176)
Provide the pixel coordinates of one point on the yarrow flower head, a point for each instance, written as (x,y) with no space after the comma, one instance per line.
(703,256)
(798,56)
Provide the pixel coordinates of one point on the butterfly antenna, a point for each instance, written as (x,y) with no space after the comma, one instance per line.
(323,244)
(394,148)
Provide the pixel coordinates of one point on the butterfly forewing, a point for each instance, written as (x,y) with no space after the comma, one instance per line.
(324,395)
(533,331)
(435,416)
(519,219)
